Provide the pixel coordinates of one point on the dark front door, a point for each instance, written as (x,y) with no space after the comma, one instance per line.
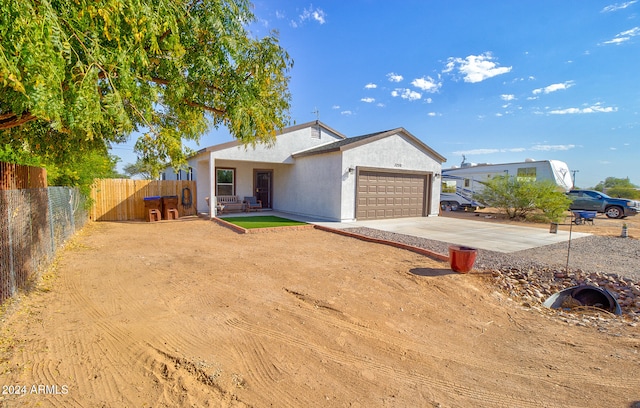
(263,186)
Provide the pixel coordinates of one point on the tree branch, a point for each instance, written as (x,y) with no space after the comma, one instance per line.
(207,108)
(11,120)
(162,81)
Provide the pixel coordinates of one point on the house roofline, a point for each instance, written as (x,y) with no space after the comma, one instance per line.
(234,143)
(364,139)
(309,124)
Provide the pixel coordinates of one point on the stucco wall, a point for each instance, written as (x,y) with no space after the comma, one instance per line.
(393,153)
(201,176)
(311,187)
(286,145)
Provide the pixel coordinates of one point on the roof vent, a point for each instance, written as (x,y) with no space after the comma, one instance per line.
(315,132)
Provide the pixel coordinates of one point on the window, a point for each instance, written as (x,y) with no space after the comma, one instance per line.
(188,174)
(448,186)
(225,182)
(526,174)
(467,183)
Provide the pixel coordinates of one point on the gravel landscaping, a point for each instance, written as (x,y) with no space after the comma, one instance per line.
(535,274)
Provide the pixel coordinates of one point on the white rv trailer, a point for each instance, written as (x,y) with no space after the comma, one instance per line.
(460,183)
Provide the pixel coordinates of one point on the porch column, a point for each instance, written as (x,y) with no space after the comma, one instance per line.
(212,186)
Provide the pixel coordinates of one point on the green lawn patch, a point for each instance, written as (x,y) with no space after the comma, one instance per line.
(262,221)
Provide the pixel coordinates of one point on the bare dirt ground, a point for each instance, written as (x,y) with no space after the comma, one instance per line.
(601,225)
(189,313)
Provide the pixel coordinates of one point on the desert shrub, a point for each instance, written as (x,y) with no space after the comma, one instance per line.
(518,198)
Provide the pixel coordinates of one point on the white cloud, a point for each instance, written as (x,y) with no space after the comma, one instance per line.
(428,100)
(311,14)
(552,148)
(554,88)
(346,113)
(536,148)
(624,36)
(476,152)
(508,97)
(371,86)
(368,100)
(427,84)
(613,148)
(489,151)
(335,107)
(432,114)
(406,94)
(380,105)
(476,68)
(617,6)
(499,114)
(597,108)
(393,77)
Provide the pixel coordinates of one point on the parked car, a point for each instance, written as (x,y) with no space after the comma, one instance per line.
(591,200)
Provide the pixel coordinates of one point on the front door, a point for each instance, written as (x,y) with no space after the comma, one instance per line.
(263,186)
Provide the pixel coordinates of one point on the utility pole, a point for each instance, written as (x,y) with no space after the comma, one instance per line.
(574,176)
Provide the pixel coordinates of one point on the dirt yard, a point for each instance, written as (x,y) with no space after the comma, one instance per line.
(189,313)
(601,225)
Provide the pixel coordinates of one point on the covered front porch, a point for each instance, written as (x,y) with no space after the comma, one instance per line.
(233,183)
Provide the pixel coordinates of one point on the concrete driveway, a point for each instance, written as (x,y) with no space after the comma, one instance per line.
(477,234)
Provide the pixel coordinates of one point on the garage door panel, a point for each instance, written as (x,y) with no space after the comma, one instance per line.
(390,195)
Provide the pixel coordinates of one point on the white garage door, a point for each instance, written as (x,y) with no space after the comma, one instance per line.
(390,195)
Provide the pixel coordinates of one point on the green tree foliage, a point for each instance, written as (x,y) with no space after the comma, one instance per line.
(139,168)
(78,75)
(624,192)
(618,187)
(81,172)
(8,154)
(519,198)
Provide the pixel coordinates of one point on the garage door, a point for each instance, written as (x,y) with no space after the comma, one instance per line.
(390,195)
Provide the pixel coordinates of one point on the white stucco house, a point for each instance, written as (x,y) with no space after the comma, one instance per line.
(315,171)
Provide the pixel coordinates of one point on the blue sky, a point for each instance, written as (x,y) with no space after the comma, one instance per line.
(496,81)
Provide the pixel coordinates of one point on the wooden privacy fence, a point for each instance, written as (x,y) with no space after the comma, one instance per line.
(18,177)
(123,199)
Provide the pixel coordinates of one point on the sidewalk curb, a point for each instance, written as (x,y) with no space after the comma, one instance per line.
(421,251)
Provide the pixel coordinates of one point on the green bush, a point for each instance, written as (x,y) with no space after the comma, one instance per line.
(624,192)
(519,198)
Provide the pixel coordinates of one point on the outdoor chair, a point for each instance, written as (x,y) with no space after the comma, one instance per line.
(252,204)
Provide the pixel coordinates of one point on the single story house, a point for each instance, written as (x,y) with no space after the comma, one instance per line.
(315,171)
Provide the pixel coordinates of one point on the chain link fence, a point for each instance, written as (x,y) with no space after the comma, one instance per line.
(34,224)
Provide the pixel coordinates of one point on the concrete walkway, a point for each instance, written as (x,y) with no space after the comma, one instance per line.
(477,234)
